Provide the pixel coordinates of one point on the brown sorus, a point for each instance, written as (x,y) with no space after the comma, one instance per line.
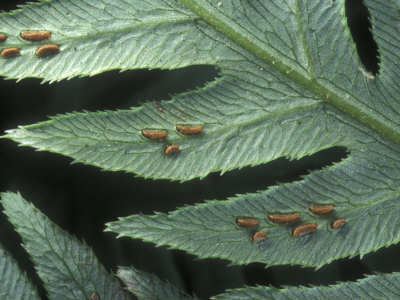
(94,296)
(10,52)
(338,223)
(247,222)
(155,134)
(304,229)
(3,37)
(189,129)
(47,50)
(259,236)
(171,149)
(284,218)
(35,36)
(321,209)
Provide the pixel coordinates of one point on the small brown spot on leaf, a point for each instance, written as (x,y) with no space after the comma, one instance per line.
(47,50)
(304,229)
(171,149)
(284,218)
(259,236)
(10,52)
(321,209)
(35,36)
(338,223)
(189,129)
(3,37)
(155,134)
(94,296)
(246,222)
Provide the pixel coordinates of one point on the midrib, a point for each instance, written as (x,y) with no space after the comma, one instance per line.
(329,96)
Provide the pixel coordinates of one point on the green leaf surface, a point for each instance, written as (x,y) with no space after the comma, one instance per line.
(291,84)
(254,113)
(382,286)
(149,287)
(363,188)
(99,35)
(13,283)
(67,267)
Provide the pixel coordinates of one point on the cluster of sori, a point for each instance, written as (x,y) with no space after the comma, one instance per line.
(31,36)
(290,218)
(161,134)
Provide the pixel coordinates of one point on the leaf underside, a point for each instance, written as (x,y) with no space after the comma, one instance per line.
(383,286)
(68,268)
(380,286)
(290,85)
(13,283)
(75,273)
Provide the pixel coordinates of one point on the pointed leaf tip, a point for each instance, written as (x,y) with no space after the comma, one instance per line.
(66,266)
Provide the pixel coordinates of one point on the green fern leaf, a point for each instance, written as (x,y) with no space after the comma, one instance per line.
(67,267)
(99,35)
(150,287)
(383,286)
(13,283)
(291,84)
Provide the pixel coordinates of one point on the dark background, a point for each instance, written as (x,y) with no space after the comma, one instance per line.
(81,198)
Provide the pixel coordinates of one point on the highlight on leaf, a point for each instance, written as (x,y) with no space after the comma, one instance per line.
(150,287)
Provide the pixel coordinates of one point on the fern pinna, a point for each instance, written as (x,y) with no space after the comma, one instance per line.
(290,84)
